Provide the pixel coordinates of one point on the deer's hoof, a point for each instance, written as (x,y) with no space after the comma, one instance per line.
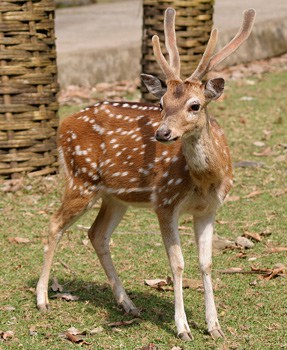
(43,307)
(185,336)
(216,333)
(134,312)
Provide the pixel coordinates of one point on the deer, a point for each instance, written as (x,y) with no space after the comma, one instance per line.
(172,157)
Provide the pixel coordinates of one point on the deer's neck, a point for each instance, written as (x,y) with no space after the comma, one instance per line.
(203,153)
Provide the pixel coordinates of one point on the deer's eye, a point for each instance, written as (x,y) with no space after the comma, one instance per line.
(195,107)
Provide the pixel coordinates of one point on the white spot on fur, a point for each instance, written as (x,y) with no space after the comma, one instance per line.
(99,129)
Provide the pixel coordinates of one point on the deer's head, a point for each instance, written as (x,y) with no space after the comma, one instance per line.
(183,102)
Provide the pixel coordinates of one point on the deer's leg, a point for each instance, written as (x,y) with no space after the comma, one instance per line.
(73,206)
(168,225)
(109,216)
(203,227)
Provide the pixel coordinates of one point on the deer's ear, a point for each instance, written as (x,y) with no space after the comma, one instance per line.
(214,88)
(154,85)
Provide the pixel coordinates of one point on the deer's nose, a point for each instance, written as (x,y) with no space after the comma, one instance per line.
(163,134)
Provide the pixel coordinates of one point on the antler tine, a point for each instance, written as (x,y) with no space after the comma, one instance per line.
(207,64)
(171,71)
(170,40)
(240,37)
(204,62)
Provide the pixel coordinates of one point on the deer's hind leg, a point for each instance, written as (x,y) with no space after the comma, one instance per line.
(110,214)
(73,206)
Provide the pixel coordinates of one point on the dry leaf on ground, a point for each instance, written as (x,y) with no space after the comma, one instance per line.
(75,331)
(253,194)
(19,240)
(150,346)
(266,273)
(277,249)
(76,339)
(248,164)
(265,153)
(66,296)
(232,198)
(160,284)
(8,308)
(254,235)
(6,335)
(33,331)
(13,185)
(232,270)
(96,330)
(123,323)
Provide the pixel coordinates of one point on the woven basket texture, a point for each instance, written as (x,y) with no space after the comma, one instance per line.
(193,25)
(28,88)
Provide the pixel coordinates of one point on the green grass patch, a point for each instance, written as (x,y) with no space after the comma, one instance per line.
(252,311)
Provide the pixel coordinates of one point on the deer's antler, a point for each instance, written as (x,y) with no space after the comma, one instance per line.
(172,69)
(207,62)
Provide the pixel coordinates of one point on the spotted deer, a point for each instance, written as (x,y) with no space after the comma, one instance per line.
(173,159)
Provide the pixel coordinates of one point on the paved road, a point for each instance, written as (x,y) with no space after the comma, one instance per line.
(84,33)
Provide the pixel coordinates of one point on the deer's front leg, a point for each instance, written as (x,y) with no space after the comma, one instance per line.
(168,225)
(203,227)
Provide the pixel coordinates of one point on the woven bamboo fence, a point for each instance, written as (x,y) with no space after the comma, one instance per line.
(193,26)
(28,87)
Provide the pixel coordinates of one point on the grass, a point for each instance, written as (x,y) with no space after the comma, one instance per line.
(252,311)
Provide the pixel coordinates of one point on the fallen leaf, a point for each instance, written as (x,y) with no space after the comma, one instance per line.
(176,348)
(123,323)
(277,249)
(259,144)
(160,284)
(19,240)
(83,228)
(279,192)
(7,335)
(253,235)
(56,286)
(232,198)
(277,270)
(248,164)
(75,331)
(246,98)
(232,330)
(32,331)
(66,296)
(76,339)
(155,282)
(85,242)
(150,346)
(268,274)
(265,153)
(232,270)
(97,330)
(7,308)
(13,185)
(267,134)
(253,194)
(280,159)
